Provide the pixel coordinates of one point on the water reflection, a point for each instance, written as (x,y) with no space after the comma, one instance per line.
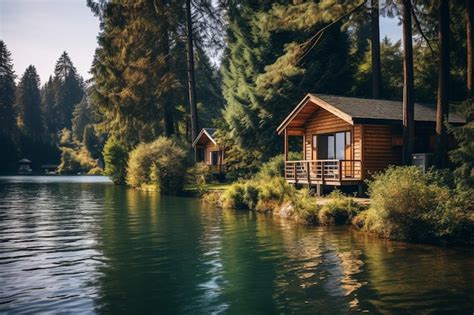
(94,247)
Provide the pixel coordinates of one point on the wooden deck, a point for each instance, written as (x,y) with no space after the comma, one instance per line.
(324,172)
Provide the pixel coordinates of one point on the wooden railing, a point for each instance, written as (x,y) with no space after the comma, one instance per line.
(308,171)
(217,168)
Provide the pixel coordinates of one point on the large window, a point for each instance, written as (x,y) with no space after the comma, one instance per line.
(335,146)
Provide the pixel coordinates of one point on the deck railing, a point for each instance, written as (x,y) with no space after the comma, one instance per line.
(217,168)
(308,171)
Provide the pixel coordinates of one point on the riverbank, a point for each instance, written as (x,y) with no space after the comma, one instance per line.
(406,204)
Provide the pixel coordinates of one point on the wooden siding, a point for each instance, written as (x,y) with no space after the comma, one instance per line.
(379,152)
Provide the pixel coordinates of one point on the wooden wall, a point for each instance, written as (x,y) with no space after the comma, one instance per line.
(209,147)
(379,152)
(322,122)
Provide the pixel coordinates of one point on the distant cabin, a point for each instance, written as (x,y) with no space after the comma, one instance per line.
(346,139)
(207,150)
(24,167)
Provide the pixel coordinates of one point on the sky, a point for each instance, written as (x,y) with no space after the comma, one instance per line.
(37,32)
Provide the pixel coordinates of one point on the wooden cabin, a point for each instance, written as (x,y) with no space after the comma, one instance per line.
(346,139)
(207,150)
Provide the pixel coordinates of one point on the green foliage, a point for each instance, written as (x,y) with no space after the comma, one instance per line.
(8,129)
(260,93)
(115,158)
(75,158)
(29,104)
(200,174)
(276,165)
(68,91)
(391,61)
(339,209)
(463,155)
(407,204)
(159,164)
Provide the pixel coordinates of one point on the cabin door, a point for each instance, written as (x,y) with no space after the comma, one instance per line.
(336,146)
(214,157)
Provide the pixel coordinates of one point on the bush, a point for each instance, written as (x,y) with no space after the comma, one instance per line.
(95,171)
(159,163)
(233,197)
(199,174)
(73,162)
(339,209)
(115,158)
(407,204)
(275,167)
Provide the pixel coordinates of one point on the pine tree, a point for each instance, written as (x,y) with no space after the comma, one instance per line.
(81,117)
(68,89)
(7,91)
(29,104)
(261,79)
(48,92)
(8,128)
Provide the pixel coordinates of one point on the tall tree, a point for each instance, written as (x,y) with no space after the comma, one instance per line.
(68,89)
(469,16)
(442,110)
(48,94)
(375,40)
(191,79)
(265,71)
(408,83)
(7,111)
(7,90)
(29,104)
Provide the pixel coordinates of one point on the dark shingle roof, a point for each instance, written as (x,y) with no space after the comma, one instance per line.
(210,131)
(382,109)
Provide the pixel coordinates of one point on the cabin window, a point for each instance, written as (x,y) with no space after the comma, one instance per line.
(314,147)
(335,146)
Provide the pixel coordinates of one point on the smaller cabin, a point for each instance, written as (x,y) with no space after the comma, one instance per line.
(24,167)
(208,151)
(50,169)
(346,139)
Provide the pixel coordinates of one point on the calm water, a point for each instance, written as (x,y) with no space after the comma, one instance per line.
(79,244)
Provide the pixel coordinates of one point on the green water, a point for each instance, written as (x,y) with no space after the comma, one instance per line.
(82,245)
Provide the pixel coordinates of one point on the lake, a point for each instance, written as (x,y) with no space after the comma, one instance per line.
(81,244)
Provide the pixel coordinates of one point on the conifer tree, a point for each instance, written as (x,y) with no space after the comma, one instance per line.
(68,92)
(7,112)
(29,104)
(7,91)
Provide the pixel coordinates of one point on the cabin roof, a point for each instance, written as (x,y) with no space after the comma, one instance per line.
(205,133)
(24,160)
(359,110)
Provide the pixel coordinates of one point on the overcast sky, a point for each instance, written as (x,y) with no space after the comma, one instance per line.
(38,31)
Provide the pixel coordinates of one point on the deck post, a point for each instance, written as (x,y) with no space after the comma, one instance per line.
(308,173)
(318,189)
(286,145)
(360,190)
(295,175)
(340,170)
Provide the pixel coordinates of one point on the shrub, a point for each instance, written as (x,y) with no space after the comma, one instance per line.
(73,161)
(339,209)
(407,204)
(95,171)
(199,174)
(115,158)
(275,167)
(233,197)
(159,163)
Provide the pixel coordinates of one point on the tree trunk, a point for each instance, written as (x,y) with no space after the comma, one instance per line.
(408,90)
(469,12)
(442,109)
(375,38)
(167,105)
(191,81)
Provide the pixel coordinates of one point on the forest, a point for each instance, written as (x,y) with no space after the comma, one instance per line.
(168,68)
